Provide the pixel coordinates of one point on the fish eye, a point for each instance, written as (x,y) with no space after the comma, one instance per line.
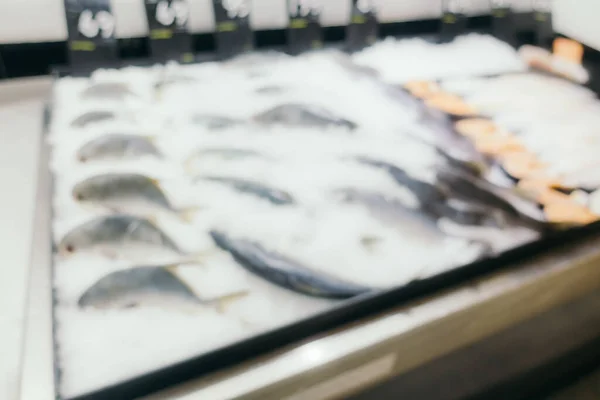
(82,158)
(70,248)
(79,196)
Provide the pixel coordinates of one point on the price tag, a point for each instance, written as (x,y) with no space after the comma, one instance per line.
(234,35)
(91,29)
(503,22)
(542,15)
(454,19)
(304,32)
(167,23)
(363,28)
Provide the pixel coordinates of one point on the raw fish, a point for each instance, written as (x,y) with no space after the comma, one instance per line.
(215,122)
(294,114)
(92,117)
(225,153)
(285,272)
(120,236)
(275,196)
(125,193)
(107,90)
(146,286)
(117,147)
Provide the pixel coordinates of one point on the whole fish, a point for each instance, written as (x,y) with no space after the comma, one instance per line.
(120,236)
(107,90)
(155,286)
(393,211)
(476,190)
(418,223)
(275,196)
(436,200)
(226,153)
(92,117)
(303,115)
(117,147)
(126,193)
(285,272)
(214,122)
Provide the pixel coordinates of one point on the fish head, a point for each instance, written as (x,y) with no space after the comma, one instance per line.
(83,191)
(85,153)
(74,242)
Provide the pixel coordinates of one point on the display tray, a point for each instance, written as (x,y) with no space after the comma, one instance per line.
(335,317)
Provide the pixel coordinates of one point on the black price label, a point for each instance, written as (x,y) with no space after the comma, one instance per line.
(304,32)
(91,30)
(503,22)
(233,32)
(167,23)
(363,28)
(542,15)
(454,19)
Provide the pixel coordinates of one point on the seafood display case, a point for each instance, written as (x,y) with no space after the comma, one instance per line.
(207,213)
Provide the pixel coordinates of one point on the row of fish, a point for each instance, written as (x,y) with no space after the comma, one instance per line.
(252,198)
(467,206)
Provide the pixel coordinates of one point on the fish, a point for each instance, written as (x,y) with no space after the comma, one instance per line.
(285,272)
(92,117)
(271,89)
(126,193)
(121,236)
(215,122)
(417,222)
(107,90)
(476,190)
(437,200)
(226,153)
(154,286)
(392,211)
(273,195)
(117,147)
(302,115)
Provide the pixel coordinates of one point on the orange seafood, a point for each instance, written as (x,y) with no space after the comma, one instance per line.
(475,127)
(422,89)
(450,104)
(562,212)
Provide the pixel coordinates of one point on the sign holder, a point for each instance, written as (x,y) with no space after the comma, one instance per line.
(454,20)
(91,33)
(233,32)
(167,24)
(304,30)
(364,27)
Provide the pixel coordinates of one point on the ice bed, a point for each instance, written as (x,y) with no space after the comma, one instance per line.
(337,364)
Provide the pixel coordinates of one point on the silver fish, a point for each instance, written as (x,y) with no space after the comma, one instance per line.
(92,117)
(272,89)
(275,196)
(126,193)
(476,190)
(393,211)
(215,122)
(173,79)
(107,90)
(120,236)
(155,286)
(295,114)
(415,222)
(117,147)
(226,153)
(285,272)
(436,200)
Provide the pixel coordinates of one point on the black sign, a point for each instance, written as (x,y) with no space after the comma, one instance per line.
(234,35)
(167,23)
(542,15)
(304,32)
(454,19)
(503,21)
(91,29)
(363,28)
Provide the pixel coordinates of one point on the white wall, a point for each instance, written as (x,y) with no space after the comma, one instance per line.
(43,20)
(579,19)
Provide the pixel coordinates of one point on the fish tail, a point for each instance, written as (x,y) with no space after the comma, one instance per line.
(222,302)
(188,214)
